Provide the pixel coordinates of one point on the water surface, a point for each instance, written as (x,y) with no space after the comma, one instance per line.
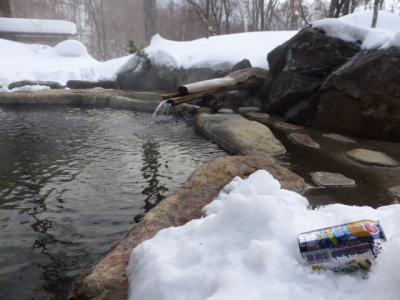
(72,181)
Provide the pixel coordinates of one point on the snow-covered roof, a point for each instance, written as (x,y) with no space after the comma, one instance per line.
(37,26)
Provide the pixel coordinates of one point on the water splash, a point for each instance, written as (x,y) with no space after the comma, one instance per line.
(164,107)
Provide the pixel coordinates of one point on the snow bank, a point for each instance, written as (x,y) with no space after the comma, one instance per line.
(246,248)
(217,51)
(68,60)
(357,28)
(19,25)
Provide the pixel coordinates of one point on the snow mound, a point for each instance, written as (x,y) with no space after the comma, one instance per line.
(71,48)
(20,25)
(217,51)
(356,28)
(246,248)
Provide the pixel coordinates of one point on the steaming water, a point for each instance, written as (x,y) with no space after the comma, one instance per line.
(72,181)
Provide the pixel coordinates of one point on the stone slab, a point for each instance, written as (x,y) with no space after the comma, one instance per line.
(339,138)
(332,179)
(248,109)
(370,157)
(287,126)
(303,139)
(395,191)
(258,117)
(238,135)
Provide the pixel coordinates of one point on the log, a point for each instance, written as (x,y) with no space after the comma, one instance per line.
(231,81)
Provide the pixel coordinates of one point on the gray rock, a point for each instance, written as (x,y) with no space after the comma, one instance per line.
(257,116)
(51,84)
(332,179)
(395,191)
(226,111)
(370,157)
(300,65)
(239,135)
(287,126)
(339,138)
(246,109)
(243,64)
(303,139)
(362,98)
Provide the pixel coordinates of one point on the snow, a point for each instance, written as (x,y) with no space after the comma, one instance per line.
(71,48)
(68,60)
(246,248)
(217,51)
(20,25)
(356,27)
(30,88)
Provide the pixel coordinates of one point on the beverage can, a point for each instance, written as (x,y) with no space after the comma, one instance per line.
(343,248)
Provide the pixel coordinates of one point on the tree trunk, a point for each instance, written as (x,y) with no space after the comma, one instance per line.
(375,15)
(262,15)
(150,18)
(5,8)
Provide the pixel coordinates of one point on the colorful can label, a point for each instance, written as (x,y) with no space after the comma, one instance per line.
(346,247)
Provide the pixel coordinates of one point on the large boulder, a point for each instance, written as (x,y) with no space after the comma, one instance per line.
(363,97)
(107,278)
(85,84)
(300,65)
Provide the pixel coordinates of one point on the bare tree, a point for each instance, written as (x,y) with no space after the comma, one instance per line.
(5,8)
(150,18)
(377,5)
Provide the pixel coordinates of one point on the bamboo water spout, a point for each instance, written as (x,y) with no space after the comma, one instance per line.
(250,78)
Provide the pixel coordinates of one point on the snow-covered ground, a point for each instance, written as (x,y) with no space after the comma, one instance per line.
(217,50)
(357,27)
(246,248)
(70,60)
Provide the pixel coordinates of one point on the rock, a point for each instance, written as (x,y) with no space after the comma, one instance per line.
(197,74)
(246,109)
(84,84)
(238,135)
(107,278)
(362,98)
(303,139)
(339,138)
(50,84)
(287,126)
(243,64)
(300,65)
(262,118)
(226,111)
(395,191)
(370,157)
(332,179)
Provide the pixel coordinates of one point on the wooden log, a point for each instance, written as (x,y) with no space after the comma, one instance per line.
(229,82)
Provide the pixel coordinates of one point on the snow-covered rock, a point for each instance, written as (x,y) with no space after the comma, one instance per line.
(357,28)
(21,25)
(246,248)
(71,48)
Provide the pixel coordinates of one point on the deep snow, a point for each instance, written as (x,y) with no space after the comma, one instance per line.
(357,28)
(246,248)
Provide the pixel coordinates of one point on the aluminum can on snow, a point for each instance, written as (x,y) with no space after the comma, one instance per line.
(344,248)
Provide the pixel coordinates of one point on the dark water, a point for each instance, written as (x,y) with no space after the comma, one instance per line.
(72,181)
(371,190)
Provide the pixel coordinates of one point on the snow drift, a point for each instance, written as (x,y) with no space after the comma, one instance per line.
(357,28)
(246,248)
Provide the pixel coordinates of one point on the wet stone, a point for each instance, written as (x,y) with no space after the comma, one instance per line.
(257,116)
(339,138)
(303,139)
(287,126)
(370,157)
(248,109)
(332,179)
(226,111)
(395,191)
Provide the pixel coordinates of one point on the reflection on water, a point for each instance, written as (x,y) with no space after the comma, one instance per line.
(71,182)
